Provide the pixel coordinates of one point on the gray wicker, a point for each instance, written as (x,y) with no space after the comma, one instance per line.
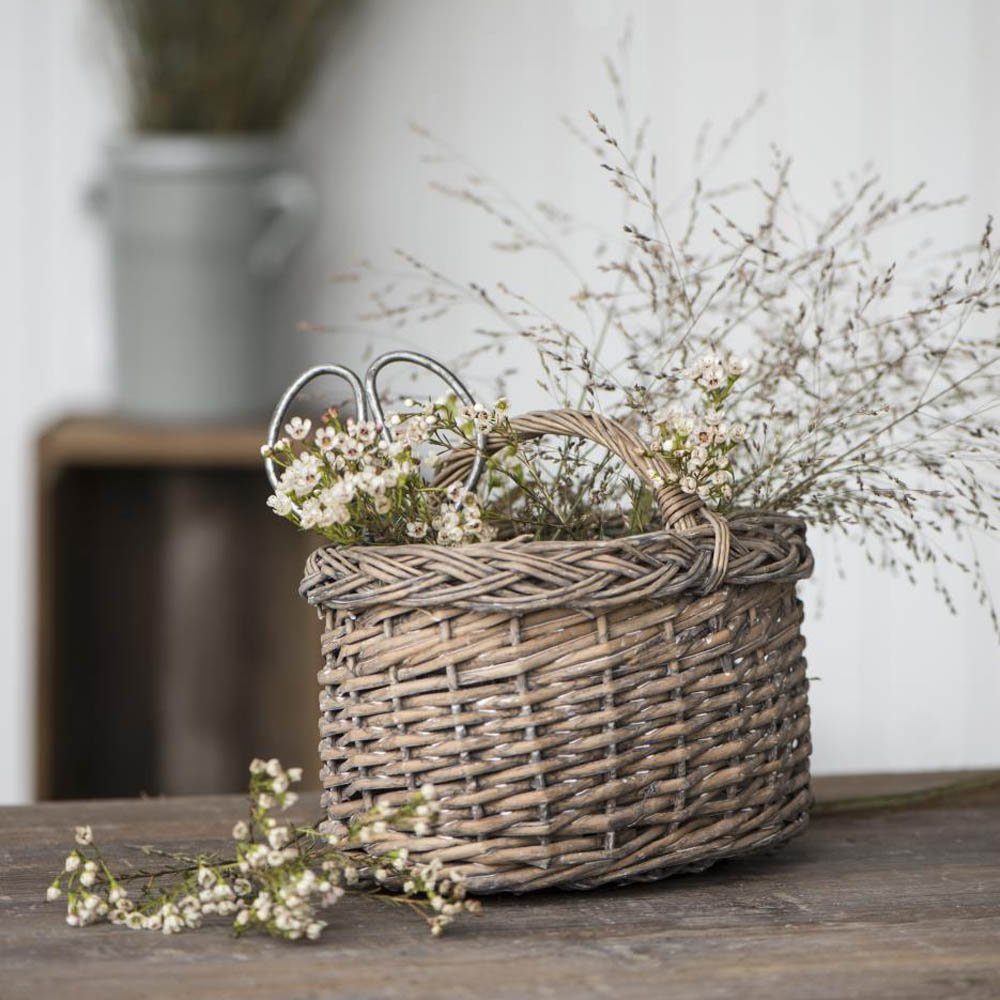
(589,712)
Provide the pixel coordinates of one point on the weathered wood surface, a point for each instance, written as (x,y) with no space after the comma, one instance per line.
(897,903)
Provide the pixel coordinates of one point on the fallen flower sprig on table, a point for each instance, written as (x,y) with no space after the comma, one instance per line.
(278,879)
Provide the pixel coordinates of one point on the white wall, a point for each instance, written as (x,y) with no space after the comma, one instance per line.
(909,84)
(55,348)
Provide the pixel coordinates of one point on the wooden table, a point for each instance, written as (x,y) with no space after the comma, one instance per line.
(897,902)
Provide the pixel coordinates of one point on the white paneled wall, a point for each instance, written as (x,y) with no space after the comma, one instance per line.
(908,84)
(55,346)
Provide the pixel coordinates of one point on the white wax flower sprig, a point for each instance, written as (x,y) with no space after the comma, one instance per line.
(348,483)
(279,878)
(698,443)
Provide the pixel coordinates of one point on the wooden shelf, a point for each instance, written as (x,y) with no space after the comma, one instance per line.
(109,441)
(166,602)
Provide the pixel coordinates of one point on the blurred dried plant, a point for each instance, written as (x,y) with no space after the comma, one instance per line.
(219,65)
(870,399)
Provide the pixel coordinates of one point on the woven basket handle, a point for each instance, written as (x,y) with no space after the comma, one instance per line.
(680,510)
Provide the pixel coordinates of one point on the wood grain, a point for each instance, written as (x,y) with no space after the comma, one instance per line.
(892,903)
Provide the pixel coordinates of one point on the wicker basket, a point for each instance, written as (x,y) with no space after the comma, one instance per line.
(589,712)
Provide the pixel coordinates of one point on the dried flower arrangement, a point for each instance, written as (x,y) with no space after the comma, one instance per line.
(219,65)
(869,404)
(278,877)
(353,484)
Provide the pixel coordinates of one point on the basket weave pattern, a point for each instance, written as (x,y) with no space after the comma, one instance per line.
(589,712)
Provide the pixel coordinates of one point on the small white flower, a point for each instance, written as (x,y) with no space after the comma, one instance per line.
(712,379)
(280,503)
(340,514)
(698,457)
(342,491)
(241,831)
(278,837)
(689,484)
(311,514)
(737,366)
(327,438)
(352,450)
(53,893)
(84,836)
(365,432)
(72,862)
(294,774)
(297,428)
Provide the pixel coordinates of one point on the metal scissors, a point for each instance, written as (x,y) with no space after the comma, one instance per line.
(369,406)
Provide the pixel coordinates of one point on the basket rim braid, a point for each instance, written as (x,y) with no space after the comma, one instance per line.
(590,712)
(522,574)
